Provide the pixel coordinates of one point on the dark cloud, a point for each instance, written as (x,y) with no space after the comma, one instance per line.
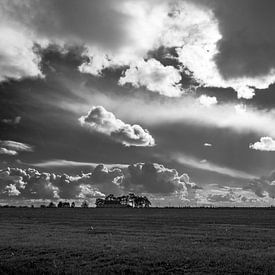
(84,21)
(247,47)
(157,179)
(102,121)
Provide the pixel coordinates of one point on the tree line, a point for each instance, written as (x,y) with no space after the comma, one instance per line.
(130,200)
(65,204)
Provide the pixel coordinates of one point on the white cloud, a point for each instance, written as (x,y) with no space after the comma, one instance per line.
(207,144)
(150,178)
(207,101)
(240,109)
(17,57)
(209,166)
(121,34)
(70,163)
(265,144)
(102,121)
(16,146)
(195,32)
(154,76)
(184,110)
(228,196)
(5,151)
(12,190)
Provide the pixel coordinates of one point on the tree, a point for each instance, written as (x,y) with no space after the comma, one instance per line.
(99,202)
(123,200)
(60,204)
(51,205)
(146,202)
(73,205)
(110,197)
(132,198)
(85,204)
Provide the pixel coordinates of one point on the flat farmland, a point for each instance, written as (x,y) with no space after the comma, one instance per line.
(137,241)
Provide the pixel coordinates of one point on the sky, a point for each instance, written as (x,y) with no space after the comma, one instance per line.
(172,99)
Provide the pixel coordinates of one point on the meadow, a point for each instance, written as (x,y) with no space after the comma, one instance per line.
(137,241)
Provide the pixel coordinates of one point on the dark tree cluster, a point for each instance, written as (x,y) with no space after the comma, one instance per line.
(130,200)
(60,204)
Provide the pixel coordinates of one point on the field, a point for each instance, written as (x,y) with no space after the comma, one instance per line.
(139,241)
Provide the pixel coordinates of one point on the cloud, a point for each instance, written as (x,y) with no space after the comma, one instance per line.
(148,178)
(242,51)
(262,187)
(265,144)
(207,101)
(14,145)
(153,178)
(240,109)
(207,42)
(209,166)
(229,196)
(219,51)
(32,184)
(17,56)
(5,151)
(182,111)
(12,121)
(101,121)
(9,147)
(154,76)
(68,163)
(207,144)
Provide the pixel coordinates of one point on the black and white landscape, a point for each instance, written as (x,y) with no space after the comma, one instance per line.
(137,104)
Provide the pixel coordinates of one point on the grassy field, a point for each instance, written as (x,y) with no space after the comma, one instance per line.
(139,241)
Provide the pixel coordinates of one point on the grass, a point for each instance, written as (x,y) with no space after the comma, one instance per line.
(139,241)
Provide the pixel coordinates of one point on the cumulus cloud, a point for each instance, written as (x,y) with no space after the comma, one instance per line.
(198,36)
(184,110)
(262,187)
(154,76)
(5,151)
(102,121)
(156,179)
(32,184)
(142,178)
(122,33)
(265,144)
(207,101)
(17,56)
(230,196)
(9,147)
